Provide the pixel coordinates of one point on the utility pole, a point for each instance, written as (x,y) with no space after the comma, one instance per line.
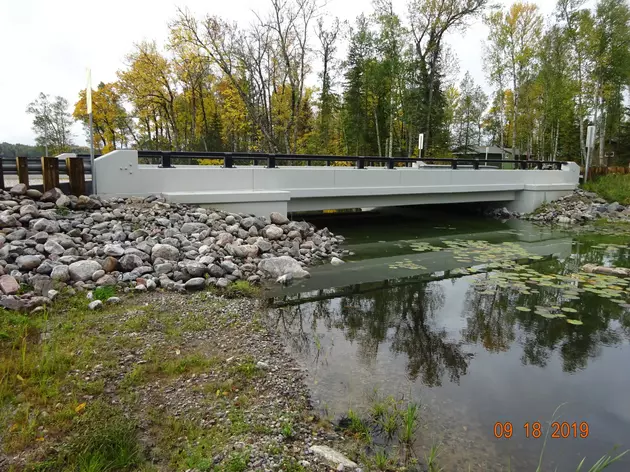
(590,143)
(88,99)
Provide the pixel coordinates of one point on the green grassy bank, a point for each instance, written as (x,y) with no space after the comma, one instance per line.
(612,187)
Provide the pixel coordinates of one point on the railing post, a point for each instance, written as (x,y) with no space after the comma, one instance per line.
(390,163)
(21,163)
(540,165)
(308,162)
(228,160)
(523,165)
(1,174)
(50,172)
(559,165)
(328,163)
(360,163)
(76,175)
(454,164)
(271,161)
(476,164)
(166,160)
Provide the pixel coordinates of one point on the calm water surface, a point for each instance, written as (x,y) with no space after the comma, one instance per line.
(413,324)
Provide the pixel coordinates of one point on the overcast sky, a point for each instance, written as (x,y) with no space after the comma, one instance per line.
(46,46)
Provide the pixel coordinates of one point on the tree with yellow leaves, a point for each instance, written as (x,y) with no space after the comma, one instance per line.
(112,126)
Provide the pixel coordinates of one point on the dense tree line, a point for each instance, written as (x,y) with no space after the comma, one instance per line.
(280,85)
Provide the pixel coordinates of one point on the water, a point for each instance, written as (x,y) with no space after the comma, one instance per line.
(415,325)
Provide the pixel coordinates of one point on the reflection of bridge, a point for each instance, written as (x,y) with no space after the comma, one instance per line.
(377,270)
(290,188)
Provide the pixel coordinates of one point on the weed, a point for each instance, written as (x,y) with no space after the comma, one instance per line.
(409,424)
(390,424)
(247,369)
(237,462)
(62,211)
(378,410)
(287,431)
(382,460)
(103,293)
(357,427)
(274,449)
(291,465)
(431,459)
(241,288)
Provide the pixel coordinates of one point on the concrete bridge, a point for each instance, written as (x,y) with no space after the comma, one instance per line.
(290,188)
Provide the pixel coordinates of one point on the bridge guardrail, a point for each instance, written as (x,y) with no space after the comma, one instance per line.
(9,165)
(271,161)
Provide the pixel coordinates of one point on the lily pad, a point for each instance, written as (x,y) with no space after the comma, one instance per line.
(523,309)
(567,309)
(574,322)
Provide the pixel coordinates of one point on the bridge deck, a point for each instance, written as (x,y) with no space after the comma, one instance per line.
(284,188)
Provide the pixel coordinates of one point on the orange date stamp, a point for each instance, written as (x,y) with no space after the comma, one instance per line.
(559,430)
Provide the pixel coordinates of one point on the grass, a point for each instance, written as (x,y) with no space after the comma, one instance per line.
(61,368)
(241,288)
(104,293)
(612,187)
(112,446)
(409,424)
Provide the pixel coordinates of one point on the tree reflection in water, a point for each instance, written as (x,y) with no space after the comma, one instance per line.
(493,320)
(400,314)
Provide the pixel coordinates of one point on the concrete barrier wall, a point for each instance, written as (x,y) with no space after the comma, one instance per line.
(261,190)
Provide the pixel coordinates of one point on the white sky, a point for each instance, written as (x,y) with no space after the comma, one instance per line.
(46,46)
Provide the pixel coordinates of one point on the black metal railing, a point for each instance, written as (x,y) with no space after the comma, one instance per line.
(166,160)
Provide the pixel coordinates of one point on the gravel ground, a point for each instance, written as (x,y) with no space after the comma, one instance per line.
(203,378)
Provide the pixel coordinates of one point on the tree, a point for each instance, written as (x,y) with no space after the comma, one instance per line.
(150,85)
(112,126)
(327,99)
(514,37)
(471,105)
(430,20)
(51,123)
(612,64)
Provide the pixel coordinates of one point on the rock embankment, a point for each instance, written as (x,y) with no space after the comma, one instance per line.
(51,240)
(578,207)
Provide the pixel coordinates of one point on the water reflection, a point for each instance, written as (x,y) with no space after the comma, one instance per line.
(432,326)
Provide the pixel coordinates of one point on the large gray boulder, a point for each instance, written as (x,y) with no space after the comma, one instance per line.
(60,273)
(244,251)
(164,251)
(53,247)
(278,218)
(51,195)
(189,228)
(29,262)
(263,245)
(197,283)
(114,250)
(82,271)
(129,262)
(48,226)
(273,232)
(8,221)
(19,189)
(195,269)
(8,285)
(224,238)
(276,267)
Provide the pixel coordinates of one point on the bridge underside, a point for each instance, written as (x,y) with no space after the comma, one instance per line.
(259,190)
